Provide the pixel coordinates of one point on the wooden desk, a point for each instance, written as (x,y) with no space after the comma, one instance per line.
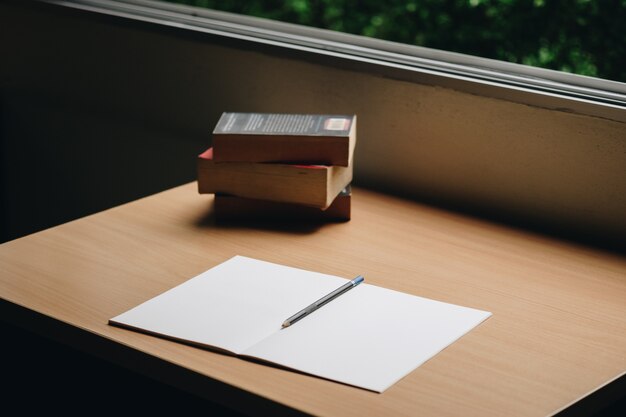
(558,330)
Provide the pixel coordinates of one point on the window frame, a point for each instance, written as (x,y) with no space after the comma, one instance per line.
(475,75)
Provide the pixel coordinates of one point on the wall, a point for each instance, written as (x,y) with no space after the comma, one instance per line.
(97,111)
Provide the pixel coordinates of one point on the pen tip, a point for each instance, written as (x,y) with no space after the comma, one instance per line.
(286,324)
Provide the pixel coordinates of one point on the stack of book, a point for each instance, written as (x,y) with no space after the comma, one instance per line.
(280,166)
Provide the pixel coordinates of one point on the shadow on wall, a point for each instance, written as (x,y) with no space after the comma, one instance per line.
(62,161)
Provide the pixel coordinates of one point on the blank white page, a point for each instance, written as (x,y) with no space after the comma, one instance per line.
(369,337)
(231,306)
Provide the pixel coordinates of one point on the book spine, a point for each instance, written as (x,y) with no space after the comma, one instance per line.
(289,138)
(284,149)
(274,182)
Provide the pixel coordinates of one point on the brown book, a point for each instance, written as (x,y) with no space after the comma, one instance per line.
(293,138)
(311,185)
(229,208)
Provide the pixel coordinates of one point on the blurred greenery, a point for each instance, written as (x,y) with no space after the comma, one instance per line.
(581,36)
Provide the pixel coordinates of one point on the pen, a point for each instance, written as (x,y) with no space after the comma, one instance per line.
(325,299)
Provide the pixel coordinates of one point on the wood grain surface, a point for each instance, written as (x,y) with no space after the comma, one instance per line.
(558,329)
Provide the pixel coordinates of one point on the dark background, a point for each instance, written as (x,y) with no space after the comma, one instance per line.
(47,377)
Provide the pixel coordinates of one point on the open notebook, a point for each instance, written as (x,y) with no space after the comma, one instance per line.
(369,337)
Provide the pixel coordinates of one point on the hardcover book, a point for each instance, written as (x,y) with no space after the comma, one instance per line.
(312,185)
(270,137)
(233,208)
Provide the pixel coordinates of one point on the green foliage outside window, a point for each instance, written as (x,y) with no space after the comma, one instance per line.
(585,37)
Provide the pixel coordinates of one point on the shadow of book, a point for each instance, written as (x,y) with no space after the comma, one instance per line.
(231,212)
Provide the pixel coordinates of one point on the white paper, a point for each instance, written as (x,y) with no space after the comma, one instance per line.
(231,306)
(369,337)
